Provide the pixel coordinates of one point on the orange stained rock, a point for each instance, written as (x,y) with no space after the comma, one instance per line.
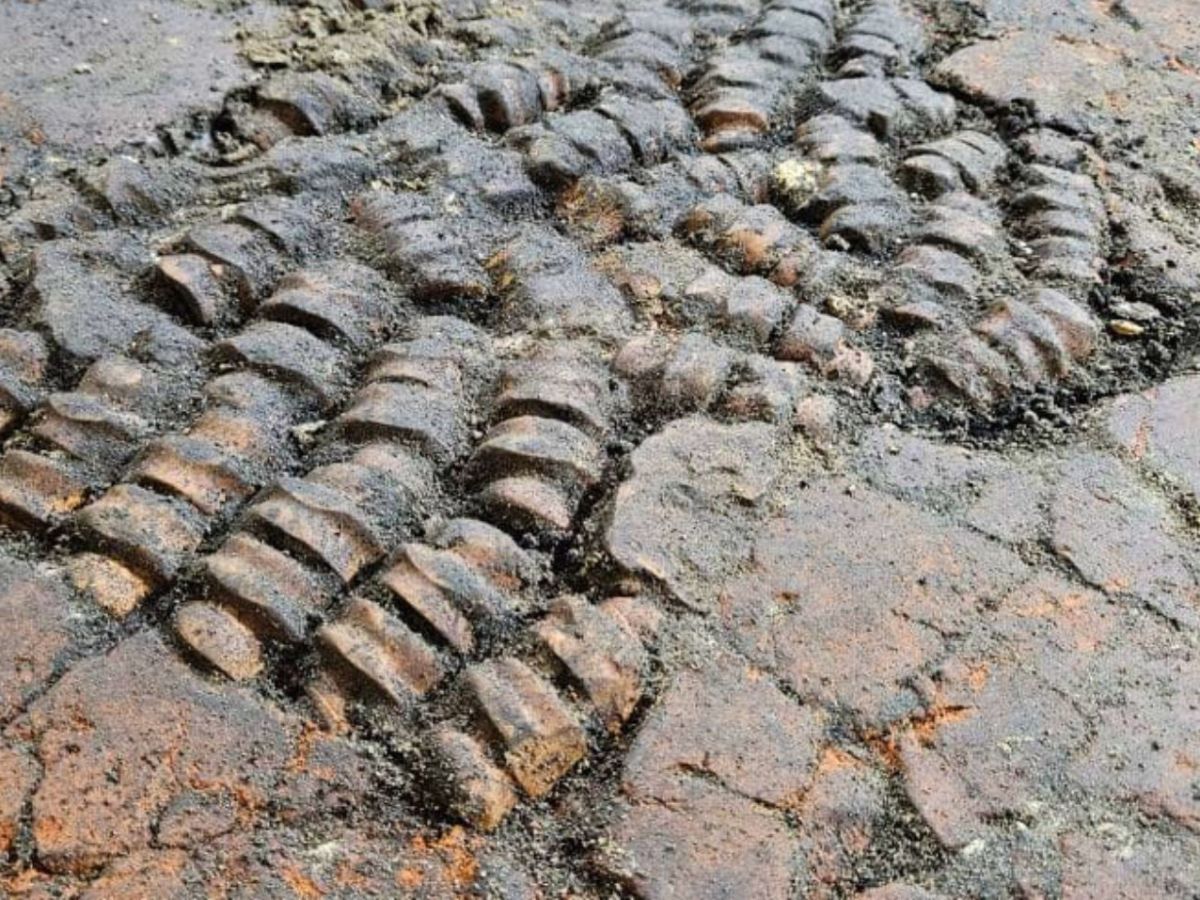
(111,585)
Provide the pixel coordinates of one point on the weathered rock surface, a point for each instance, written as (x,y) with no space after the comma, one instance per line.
(587,449)
(706,784)
(850,575)
(136,750)
(685,516)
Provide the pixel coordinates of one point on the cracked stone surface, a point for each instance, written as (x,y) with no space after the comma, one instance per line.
(658,449)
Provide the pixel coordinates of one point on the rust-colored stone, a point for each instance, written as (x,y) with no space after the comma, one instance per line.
(541,739)
(477,790)
(266,585)
(148,532)
(1120,536)
(36,618)
(322,522)
(218,637)
(381,651)
(728,723)
(194,470)
(1157,426)
(123,736)
(724,471)
(605,660)
(197,283)
(108,583)
(877,582)
(18,777)
(38,491)
(716,842)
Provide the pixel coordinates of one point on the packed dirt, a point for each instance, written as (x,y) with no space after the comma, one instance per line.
(625,448)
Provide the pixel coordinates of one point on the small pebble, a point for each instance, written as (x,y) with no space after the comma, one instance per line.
(1125,328)
(1135,312)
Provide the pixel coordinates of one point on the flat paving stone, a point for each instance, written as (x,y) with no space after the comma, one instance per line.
(39,628)
(1064,696)
(1122,538)
(727,723)
(685,515)
(852,575)
(706,784)
(130,741)
(1158,427)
